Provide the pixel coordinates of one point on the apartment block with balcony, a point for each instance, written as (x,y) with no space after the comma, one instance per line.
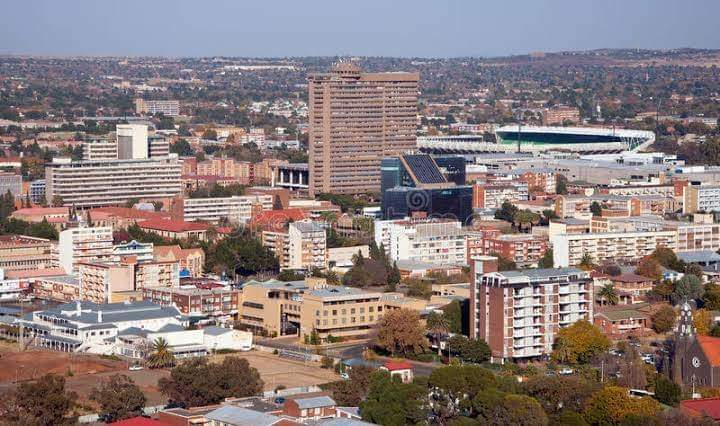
(493,195)
(356,119)
(519,313)
(436,241)
(524,249)
(84,244)
(621,247)
(236,209)
(302,246)
(103,282)
(18,252)
(210,302)
(701,198)
(98,183)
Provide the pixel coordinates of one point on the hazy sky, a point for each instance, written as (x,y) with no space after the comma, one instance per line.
(429,28)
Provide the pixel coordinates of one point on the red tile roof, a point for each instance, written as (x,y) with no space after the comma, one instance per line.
(34,273)
(140,421)
(33,211)
(397,365)
(168,225)
(275,220)
(630,278)
(696,407)
(711,347)
(130,213)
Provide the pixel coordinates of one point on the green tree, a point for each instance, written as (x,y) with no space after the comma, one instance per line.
(393,278)
(547,261)
(609,294)
(475,351)
(667,391)
(352,392)
(199,382)
(42,402)
(507,212)
(579,343)
(586,262)
(119,398)
(455,386)
(182,148)
(525,219)
(596,209)
(558,393)
(689,287)
(438,325)
(561,184)
(456,344)
(161,356)
(392,403)
(520,410)
(663,320)
(453,312)
(210,134)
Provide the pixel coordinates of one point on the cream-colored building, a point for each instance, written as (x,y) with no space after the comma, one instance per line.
(623,247)
(84,244)
(299,307)
(18,252)
(235,209)
(356,119)
(101,281)
(434,241)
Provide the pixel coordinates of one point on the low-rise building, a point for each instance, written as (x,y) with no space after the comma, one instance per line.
(302,246)
(19,252)
(218,302)
(492,196)
(525,250)
(427,240)
(236,209)
(191,261)
(173,229)
(101,281)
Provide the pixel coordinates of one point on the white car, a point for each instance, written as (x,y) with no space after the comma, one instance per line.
(344,376)
(566,371)
(135,367)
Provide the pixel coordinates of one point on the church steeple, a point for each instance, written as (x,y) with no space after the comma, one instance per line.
(686,327)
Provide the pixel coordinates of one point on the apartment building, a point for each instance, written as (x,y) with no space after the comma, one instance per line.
(151,107)
(492,196)
(11,182)
(237,209)
(665,190)
(302,246)
(299,307)
(621,247)
(100,282)
(36,190)
(142,252)
(100,183)
(158,146)
(356,119)
(560,114)
(19,252)
(426,240)
(524,249)
(59,288)
(190,261)
(175,229)
(100,149)
(519,313)
(701,198)
(196,301)
(84,244)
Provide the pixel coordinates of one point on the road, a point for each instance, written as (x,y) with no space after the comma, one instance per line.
(349,351)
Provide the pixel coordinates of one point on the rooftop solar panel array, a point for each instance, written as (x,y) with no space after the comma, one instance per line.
(424,168)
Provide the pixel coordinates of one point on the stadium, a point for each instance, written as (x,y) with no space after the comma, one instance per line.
(585,140)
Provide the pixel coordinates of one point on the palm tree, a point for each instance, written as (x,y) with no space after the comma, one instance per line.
(586,263)
(161,355)
(608,294)
(438,325)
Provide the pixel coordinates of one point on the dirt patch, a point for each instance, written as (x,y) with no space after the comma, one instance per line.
(32,364)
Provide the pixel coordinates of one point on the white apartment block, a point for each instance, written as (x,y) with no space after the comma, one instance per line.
(158,146)
(84,244)
(308,245)
(236,209)
(303,246)
(132,141)
(433,241)
(100,183)
(519,313)
(701,198)
(100,150)
(167,107)
(622,247)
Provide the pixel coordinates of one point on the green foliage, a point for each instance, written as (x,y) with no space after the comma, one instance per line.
(119,398)
(43,402)
(689,287)
(7,205)
(557,393)
(161,356)
(612,404)
(352,392)
(199,382)
(419,288)
(240,254)
(546,261)
(667,391)
(216,191)
(596,209)
(182,148)
(347,203)
(579,343)
(504,264)
(290,275)
(609,294)
(41,229)
(561,184)
(392,403)
(367,272)
(507,212)
(453,312)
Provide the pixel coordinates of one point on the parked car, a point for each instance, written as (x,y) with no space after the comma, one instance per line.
(279,400)
(135,367)
(344,376)
(566,371)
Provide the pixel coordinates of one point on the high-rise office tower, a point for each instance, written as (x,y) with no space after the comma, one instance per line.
(356,119)
(132,141)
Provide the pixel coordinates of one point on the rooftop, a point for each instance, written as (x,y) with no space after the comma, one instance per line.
(231,415)
(173,225)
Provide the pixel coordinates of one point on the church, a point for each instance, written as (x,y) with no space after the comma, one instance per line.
(696,359)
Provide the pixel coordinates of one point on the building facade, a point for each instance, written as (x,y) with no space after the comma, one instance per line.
(236,209)
(84,244)
(356,119)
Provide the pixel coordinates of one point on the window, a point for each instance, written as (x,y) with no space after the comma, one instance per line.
(324,313)
(344,311)
(352,311)
(324,322)
(334,312)
(303,413)
(371,318)
(379,308)
(317,322)
(362,310)
(362,319)
(371,309)
(334,321)
(344,320)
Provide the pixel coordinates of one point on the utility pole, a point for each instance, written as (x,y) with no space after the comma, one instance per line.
(518,139)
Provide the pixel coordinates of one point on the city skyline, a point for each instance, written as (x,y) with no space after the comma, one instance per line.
(417,29)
